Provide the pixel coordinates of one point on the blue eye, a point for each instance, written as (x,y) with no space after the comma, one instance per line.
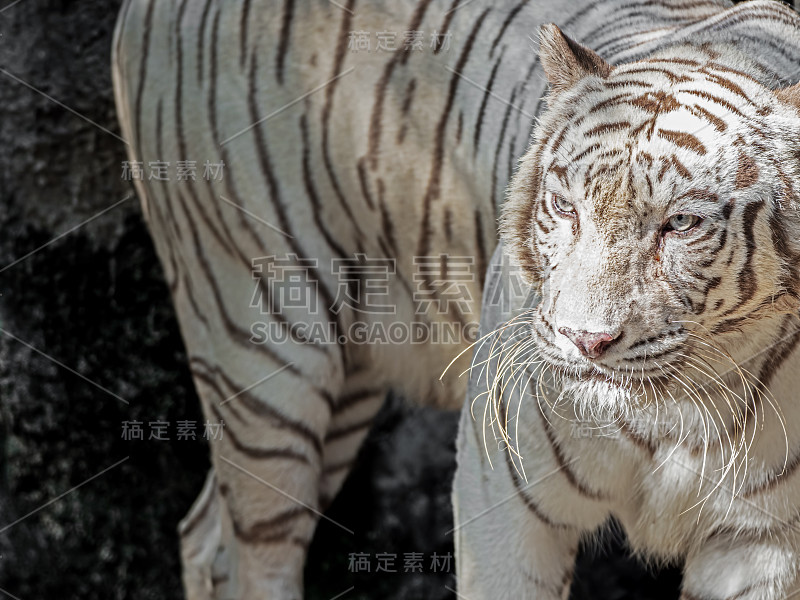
(563,205)
(682,222)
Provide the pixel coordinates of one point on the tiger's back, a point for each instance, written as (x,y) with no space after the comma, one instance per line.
(342,152)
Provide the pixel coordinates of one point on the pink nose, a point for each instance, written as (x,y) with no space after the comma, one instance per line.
(590,344)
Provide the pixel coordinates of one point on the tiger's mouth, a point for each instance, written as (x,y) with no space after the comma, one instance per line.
(631,376)
(619,379)
(599,377)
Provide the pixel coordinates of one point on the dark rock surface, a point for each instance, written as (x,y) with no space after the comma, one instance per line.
(95,302)
(88,341)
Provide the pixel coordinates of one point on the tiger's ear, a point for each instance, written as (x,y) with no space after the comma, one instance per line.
(565,61)
(790,95)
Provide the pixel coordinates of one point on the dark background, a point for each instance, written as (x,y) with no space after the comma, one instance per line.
(95,301)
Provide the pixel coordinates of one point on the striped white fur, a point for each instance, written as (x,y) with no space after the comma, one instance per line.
(331,153)
(684,423)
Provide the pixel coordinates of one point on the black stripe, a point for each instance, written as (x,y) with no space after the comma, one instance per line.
(243,32)
(283,44)
(481,247)
(329,470)
(362,179)
(148,23)
(790,279)
(189,282)
(254,452)
(514,12)
(511,155)
(341,432)
(202,370)
(235,333)
(316,205)
(527,500)
(387,227)
(376,119)
(270,531)
(265,162)
(212,92)
(327,110)
(404,110)
(563,464)
(476,139)
(499,144)
(261,407)
(181,140)
(448,17)
(167,222)
(437,160)
(229,183)
(355,398)
(201,46)
(747,276)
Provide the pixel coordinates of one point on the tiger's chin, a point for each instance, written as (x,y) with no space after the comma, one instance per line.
(604,391)
(602,395)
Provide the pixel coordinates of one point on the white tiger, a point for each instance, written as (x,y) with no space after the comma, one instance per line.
(334,154)
(654,377)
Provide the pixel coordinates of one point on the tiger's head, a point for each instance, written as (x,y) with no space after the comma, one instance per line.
(656,207)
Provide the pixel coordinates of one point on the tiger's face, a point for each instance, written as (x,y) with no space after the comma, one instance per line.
(655,209)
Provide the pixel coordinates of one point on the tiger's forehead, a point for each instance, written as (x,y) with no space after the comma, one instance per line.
(655,128)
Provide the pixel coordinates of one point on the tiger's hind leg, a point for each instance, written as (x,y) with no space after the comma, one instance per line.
(248,534)
(205,551)
(206,541)
(206,565)
(288,445)
(353,414)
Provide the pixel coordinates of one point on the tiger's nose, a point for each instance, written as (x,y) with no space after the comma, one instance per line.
(590,344)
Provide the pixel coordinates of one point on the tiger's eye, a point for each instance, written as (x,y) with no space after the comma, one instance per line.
(562,204)
(683,222)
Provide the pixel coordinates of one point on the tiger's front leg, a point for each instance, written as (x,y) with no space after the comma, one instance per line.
(728,567)
(507,546)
